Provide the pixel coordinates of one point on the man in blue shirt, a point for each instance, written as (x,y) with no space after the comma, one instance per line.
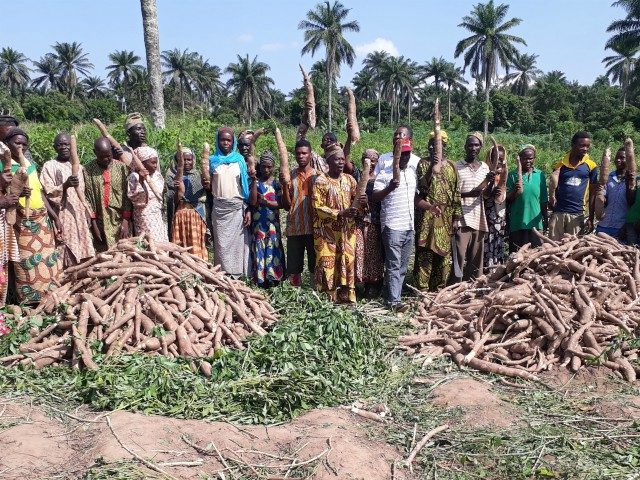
(576,190)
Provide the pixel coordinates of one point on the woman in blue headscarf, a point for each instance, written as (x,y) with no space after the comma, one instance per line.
(230,213)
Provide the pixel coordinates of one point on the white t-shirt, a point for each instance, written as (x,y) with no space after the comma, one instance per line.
(397,209)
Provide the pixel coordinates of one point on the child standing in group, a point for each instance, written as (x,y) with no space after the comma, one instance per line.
(265,199)
(147,208)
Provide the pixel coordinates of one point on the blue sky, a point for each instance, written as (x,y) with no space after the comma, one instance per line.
(568,35)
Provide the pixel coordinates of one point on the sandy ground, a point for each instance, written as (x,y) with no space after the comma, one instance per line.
(332,441)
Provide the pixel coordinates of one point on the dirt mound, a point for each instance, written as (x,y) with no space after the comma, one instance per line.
(331,441)
(481,407)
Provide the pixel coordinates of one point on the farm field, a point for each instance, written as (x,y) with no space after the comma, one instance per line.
(278,404)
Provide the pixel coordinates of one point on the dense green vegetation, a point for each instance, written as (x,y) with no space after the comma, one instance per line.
(193,132)
(61,88)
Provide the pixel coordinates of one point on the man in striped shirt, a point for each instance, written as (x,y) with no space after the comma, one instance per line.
(296,199)
(396,214)
(475,181)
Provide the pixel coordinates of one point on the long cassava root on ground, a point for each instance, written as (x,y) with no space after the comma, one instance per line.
(148,297)
(569,304)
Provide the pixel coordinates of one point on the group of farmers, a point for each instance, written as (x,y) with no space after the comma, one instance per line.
(462,218)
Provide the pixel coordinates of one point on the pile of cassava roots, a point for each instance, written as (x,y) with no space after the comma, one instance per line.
(571,303)
(148,297)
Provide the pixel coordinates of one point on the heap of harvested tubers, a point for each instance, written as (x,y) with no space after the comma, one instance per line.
(571,304)
(143,296)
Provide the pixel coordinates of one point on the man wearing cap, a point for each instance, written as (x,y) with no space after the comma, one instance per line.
(334,229)
(136,137)
(396,213)
(474,182)
(437,205)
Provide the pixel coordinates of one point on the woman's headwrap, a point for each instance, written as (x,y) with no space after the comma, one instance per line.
(186,151)
(219,158)
(145,153)
(443,135)
(527,146)
(14,132)
(132,120)
(477,135)
(267,156)
(9,120)
(332,151)
(371,154)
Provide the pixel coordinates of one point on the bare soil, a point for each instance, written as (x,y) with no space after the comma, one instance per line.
(40,446)
(481,407)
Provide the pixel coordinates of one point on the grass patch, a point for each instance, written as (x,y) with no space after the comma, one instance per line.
(557,434)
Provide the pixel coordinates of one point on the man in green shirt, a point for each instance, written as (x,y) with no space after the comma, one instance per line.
(633,217)
(527,201)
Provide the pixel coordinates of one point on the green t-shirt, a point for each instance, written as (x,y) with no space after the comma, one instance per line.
(525,212)
(633,214)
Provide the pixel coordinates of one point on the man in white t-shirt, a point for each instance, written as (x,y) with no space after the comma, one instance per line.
(475,181)
(396,214)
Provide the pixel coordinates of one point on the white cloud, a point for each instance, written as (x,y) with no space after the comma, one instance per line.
(245,38)
(273,47)
(378,45)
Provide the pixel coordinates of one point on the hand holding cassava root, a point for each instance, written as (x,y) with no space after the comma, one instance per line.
(148,297)
(564,304)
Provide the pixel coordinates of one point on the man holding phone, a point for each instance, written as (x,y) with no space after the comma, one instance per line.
(396,213)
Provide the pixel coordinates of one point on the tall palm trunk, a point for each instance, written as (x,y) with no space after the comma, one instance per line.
(152,47)
(448,103)
(182,97)
(379,106)
(487,88)
(329,85)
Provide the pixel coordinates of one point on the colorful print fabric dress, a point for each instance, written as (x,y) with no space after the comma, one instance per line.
(267,251)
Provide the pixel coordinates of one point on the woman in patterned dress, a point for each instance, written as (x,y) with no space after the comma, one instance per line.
(369,251)
(267,252)
(38,262)
(496,213)
(147,208)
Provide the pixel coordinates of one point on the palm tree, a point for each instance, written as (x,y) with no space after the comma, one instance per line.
(152,49)
(524,72)
(14,72)
(250,85)
(93,87)
(622,66)
(365,86)
(207,82)
(436,68)
(489,46)
(374,63)
(180,68)
(49,70)
(324,27)
(398,83)
(453,77)
(555,76)
(72,61)
(627,30)
(139,82)
(123,63)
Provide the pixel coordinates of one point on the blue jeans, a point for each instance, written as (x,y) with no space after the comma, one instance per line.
(397,250)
